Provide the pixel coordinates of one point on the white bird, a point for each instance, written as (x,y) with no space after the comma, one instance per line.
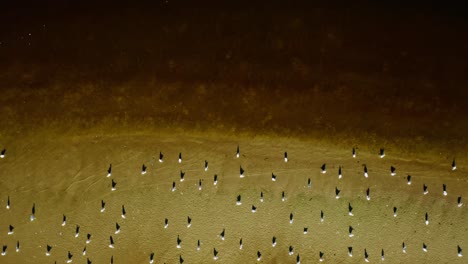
(143,169)
(161,157)
(8,203)
(454,165)
(382,255)
(459,249)
(444,187)
(206,165)
(322,216)
(368,194)
(321,256)
(254,209)
(382,153)
(33,213)
(88,238)
(366,256)
(182,175)
(291,250)
(4,251)
(237,152)
(117,228)
(424,247)
(124,213)
(283,196)
(109,170)
(291,218)
(392,171)
(298,259)
(365,171)
(241,172)
(259,256)
(17,246)
(166,223)
(215,254)
(173,187)
(261,197)
(285,156)
(189,221)
(103,206)
(354,152)
(409,179)
(179,241)
(337,193)
(48,250)
(273,242)
(70,256)
(11,230)
(403,246)
(339,173)
(180,157)
(222,234)
(427,219)
(215,179)
(350,251)
(240,244)
(273,177)
(459,200)
(350,209)
(394,212)
(113,184)
(77,231)
(425,191)
(64,220)
(198,245)
(324,168)
(111,242)
(238,200)
(306,229)
(199,184)
(84,251)
(308,183)
(2,154)
(151,261)
(351,231)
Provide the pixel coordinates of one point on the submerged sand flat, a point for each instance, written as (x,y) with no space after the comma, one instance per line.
(67,175)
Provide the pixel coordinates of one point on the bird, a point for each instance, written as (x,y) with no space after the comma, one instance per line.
(392,171)
(394,212)
(350,251)
(48,250)
(215,179)
(206,165)
(308,183)
(339,173)
(84,251)
(181,260)
(321,255)
(222,234)
(173,187)
(17,246)
(324,168)
(239,200)
(259,256)
(111,242)
(444,187)
(261,197)
(2,154)
(215,254)
(88,238)
(237,152)
(117,228)
(291,250)
(199,184)
(427,219)
(291,218)
(337,193)
(382,255)
(88,261)
(8,203)
(166,222)
(351,231)
(350,209)
(151,261)
(454,165)
(382,153)
(182,175)
(241,172)
(273,242)
(180,157)
(306,229)
(424,247)
(366,256)
(273,177)
(161,157)
(425,191)
(179,241)
(103,206)
(189,221)
(77,231)
(70,256)
(459,250)
(254,209)
(283,196)
(408,178)
(322,216)
(109,170)
(198,245)
(403,246)
(368,194)
(4,251)
(285,156)
(113,185)
(11,230)
(143,169)
(124,213)
(365,171)
(459,200)
(33,213)
(64,220)
(298,259)
(354,152)
(112,259)
(240,243)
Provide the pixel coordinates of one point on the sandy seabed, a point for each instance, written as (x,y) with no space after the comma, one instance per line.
(68,175)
